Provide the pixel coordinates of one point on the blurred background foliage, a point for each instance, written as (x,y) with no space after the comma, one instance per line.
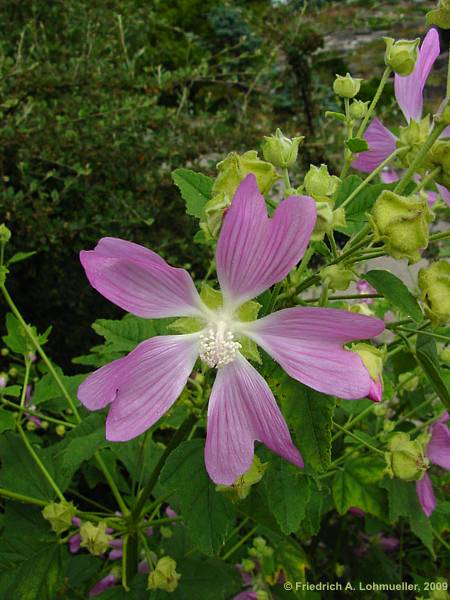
(100,101)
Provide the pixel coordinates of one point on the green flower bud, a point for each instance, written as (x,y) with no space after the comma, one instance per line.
(5,234)
(232,170)
(31,426)
(280,150)
(434,283)
(401,55)
(318,182)
(440,16)
(59,515)
(380,410)
(45,425)
(324,220)
(439,156)
(338,277)
(248,565)
(445,356)
(262,595)
(358,109)
(402,224)
(411,382)
(388,426)
(60,430)
(94,537)
(412,137)
(242,486)
(13,372)
(166,532)
(165,576)
(346,87)
(361,308)
(406,459)
(4,352)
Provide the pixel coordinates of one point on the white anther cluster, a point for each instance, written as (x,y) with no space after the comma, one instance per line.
(217,347)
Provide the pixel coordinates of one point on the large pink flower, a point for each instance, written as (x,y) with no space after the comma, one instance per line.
(438,453)
(409,96)
(253,252)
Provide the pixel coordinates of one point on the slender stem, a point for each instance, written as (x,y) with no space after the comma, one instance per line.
(360,440)
(348,154)
(348,297)
(443,235)
(239,544)
(437,336)
(383,81)
(426,180)
(40,351)
(440,539)
(420,157)
(40,464)
(25,384)
(273,298)
(369,178)
(21,497)
(355,420)
(287,181)
(34,340)
(36,413)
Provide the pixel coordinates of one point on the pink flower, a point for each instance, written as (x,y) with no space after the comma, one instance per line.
(389,544)
(409,95)
(103,585)
(438,452)
(253,253)
(357,512)
(363,287)
(75,543)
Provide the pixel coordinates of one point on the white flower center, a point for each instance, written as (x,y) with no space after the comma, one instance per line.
(217,345)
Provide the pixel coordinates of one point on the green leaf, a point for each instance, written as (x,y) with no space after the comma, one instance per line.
(7,420)
(208,515)
(139,456)
(32,563)
(47,390)
(16,459)
(348,185)
(356,485)
(195,188)
(310,413)
(403,502)
(19,256)
(394,290)
(357,145)
(427,357)
(125,334)
(12,390)
(288,493)
(78,445)
(336,115)
(17,340)
(204,579)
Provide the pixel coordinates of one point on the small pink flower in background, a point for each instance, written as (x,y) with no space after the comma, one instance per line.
(3,381)
(357,512)
(409,96)
(104,584)
(363,287)
(389,544)
(253,253)
(438,453)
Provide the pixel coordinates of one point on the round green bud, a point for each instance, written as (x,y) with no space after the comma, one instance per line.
(318,182)
(402,223)
(4,351)
(94,537)
(440,16)
(407,382)
(60,430)
(406,459)
(31,426)
(361,308)
(280,150)
(346,87)
(358,109)
(388,426)
(164,576)
(401,55)
(337,277)
(434,284)
(411,139)
(5,234)
(445,356)
(439,156)
(13,372)
(262,595)
(166,532)
(59,515)
(324,219)
(45,425)
(242,486)
(248,565)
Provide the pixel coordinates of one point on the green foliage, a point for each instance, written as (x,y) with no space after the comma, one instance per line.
(394,290)
(195,188)
(209,515)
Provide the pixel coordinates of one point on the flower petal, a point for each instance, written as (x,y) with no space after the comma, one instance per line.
(427,499)
(409,90)
(389,176)
(438,449)
(381,144)
(140,281)
(254,252)
(100,388)
(155,375)
(242,409)
(445,194)
(307,342)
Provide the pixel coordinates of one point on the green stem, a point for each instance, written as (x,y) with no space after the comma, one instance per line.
(348,297)
(360,440)
(36,413)
(287,182)
(64,392)
(40,464)
(21,497)
(355,420)
(129,559)
(383,81)
(426,180)
(437,336)
(420,157)
(239,544)
(369,178)
(40,351)
(273,298)
(348,154)
(443,235)
(440,539)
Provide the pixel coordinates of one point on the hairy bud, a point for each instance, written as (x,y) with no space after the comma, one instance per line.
(434,283)
(346,87)
(401,55)
(164,577)
(280,150)
(59,515)
(406,459)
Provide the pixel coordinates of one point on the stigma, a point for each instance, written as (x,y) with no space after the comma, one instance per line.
(217,345)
